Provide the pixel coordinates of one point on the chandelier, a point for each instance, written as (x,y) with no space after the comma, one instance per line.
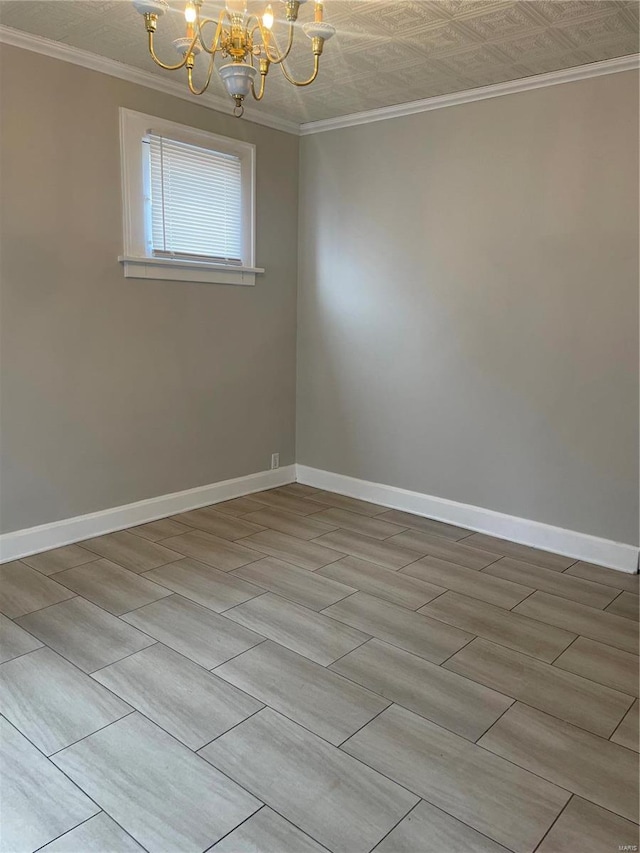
(246,40)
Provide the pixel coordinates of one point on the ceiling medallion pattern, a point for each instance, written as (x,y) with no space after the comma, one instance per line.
(383,53)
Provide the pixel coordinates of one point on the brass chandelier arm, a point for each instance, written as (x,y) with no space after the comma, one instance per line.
(215,44)
(192,88)
(264,70)
(267,37)
(316,68)
(170,67)
(260,94)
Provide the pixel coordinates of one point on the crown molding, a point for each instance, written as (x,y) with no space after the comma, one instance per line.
(526,84)
(104,65)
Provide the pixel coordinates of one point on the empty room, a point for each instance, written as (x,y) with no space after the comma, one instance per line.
(319,426)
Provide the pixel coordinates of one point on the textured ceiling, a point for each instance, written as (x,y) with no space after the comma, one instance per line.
(384,53)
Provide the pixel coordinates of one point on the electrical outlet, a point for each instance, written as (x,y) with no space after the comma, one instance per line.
(275,460)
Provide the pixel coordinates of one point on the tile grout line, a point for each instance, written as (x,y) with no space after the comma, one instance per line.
(548,663)
(613,600)
(218,736)
(419,713)
(450,814)
(142,606)
(133,530)
(102,811)
(390,779)
(480,746)
(586,677)
(130,655)
(73,663)
(174,738)
(233,657)
(264,805)
(101,729)
(197,604)
(282,594)
(155,641)
(364,725)
(540,622)
(348,530)
(40,609)
(359,646)
(405,815)
(497,720)
(67,831)
(234,606)
(453,654)
(557,818)
(75,784)
(395,702)
(549,713)
(538,775)
(24,654)
(175,651)
(396,824)
(94,559)
(213,846)
(561,573)
(463,630)
(552,625)
(453,563)
(557,593)
(118,615)
(528,595)
(559,655)
(181,556)
(626,714)
(281,713)
(285,559)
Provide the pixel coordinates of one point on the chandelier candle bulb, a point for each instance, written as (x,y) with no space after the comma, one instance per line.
(190,18)
(319,11)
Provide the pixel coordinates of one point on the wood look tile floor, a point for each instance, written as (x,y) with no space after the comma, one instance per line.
(297,671)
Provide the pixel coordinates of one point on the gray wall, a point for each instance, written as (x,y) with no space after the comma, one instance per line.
(468,308)
(113,389)
(468,304)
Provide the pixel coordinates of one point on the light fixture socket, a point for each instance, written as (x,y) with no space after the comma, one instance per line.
(291,8)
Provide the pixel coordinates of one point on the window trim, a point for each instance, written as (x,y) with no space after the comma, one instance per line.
(137,259)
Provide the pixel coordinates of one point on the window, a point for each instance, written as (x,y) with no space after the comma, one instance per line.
(188,203)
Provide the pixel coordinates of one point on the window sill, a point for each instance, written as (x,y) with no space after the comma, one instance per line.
(179,270)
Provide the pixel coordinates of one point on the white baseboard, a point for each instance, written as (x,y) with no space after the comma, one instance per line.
(580,546)
(32,540)
(570,543)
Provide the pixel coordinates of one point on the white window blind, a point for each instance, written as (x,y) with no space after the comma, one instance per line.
(196,201)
